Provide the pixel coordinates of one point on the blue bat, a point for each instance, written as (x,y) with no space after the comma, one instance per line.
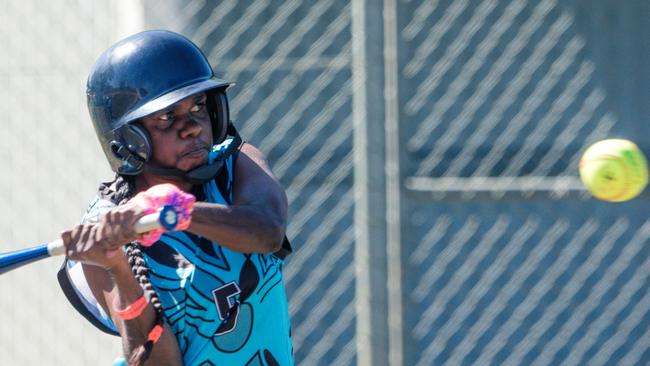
(165,218)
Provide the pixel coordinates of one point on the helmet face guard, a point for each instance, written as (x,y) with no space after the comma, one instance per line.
(141,75)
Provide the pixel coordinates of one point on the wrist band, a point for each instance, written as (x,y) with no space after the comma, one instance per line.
(155,333)
(134,310)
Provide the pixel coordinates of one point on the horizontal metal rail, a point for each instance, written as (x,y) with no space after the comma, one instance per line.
(497,187)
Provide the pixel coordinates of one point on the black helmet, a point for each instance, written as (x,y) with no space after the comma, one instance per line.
(143,74)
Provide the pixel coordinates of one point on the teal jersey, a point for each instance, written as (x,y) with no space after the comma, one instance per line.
(225,307)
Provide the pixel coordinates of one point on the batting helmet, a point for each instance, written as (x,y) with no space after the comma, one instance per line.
(143,74)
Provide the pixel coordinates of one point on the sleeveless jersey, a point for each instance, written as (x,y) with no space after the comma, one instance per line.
(225,307)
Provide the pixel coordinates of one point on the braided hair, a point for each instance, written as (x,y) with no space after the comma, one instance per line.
(119,191)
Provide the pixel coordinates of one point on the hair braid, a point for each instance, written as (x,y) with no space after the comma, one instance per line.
(141,273)
(125,189)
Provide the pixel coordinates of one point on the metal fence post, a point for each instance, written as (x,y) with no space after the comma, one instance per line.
(376,181)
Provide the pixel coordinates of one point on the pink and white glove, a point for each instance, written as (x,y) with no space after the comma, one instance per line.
(158,196)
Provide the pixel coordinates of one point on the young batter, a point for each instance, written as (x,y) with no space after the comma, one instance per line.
(215,289)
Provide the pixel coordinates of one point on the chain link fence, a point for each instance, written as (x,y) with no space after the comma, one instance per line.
(501,90)
(506,261)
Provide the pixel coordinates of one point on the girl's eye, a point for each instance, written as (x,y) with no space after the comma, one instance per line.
(165,120)
(166,117)
(197,107)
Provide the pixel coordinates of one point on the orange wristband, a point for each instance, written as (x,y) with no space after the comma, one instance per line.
(134,310)
(155,333)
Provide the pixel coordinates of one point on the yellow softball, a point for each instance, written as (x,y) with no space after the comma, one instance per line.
(614,170)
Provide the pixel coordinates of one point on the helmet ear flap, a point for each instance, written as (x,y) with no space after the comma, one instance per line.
(132,146)
(219,115)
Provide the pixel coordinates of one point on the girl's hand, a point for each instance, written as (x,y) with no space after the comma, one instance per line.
(100,243)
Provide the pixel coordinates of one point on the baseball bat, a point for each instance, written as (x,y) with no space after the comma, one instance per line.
(166,218)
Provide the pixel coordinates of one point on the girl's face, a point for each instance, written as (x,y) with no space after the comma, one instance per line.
(181,134)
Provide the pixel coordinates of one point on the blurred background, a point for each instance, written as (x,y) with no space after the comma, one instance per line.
(429,150)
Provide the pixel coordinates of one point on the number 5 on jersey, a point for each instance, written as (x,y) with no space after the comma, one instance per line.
(227,307)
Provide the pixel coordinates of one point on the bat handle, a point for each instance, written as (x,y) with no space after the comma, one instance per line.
(56,247)
(166,218)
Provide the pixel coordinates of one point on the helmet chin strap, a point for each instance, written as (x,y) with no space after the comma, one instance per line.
(205,172)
